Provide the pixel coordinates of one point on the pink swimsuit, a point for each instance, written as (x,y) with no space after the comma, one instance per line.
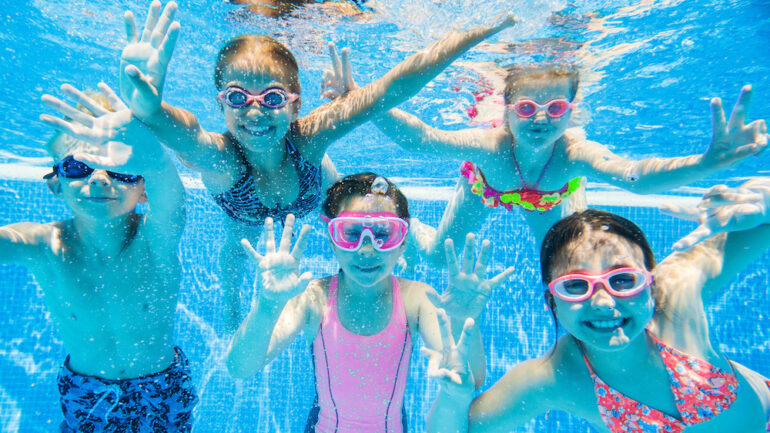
(701,391)
(360,380)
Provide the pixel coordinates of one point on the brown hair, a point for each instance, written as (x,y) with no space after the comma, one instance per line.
(258,53)
(559,71)
(359,185)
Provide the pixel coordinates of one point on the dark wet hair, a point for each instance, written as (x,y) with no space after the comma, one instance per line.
(571,228)
(359,185)
(259,53)
(553,71)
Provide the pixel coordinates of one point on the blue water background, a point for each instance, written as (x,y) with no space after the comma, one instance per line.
(650,68)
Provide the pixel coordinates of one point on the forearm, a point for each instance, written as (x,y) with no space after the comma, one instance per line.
(179,130)
(449,413)
(249,348)
(395,87)
(165,193)
(414,135)
(654,175)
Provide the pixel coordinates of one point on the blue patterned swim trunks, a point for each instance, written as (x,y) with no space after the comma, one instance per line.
(160,402)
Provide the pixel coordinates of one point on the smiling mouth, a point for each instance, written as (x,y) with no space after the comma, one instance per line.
(100,199)
(257,131)
(607,325)
(367,269)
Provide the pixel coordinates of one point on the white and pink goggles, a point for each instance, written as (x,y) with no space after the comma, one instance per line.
(622,282)
(385,230)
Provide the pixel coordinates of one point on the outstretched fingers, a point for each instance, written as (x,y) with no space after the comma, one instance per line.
(484,255)
(152,19)
(130,24)
(112,97)
(689,213)
(250,251)
(451,258)
(84,100)
(498,279)
(347,73)
(163,24)
(67,110)
(469,253)
(741,109)
(269,236)
(169,42)
(336,63)
(60,125)
(288,229)
(299,247)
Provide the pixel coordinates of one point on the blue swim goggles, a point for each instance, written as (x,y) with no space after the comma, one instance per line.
(71,168)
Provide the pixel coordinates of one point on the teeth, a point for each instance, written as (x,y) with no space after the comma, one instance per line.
(606,324)
(256,130)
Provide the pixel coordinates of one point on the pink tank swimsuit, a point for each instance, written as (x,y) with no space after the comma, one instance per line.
(360,380)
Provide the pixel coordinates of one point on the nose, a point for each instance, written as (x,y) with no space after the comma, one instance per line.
(601,299)
(366,248)
(540,116)
(99,178)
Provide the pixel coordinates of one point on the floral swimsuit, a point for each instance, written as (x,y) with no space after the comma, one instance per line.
(528,197)
(700,389)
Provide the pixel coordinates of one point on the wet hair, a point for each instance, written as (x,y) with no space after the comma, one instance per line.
(517,75)
(572,228)
(258,53)
(359,185)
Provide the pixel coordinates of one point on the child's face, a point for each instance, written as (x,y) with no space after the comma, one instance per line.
(367,266)
(603,321)
(98,195)
(257,128)
(540,128)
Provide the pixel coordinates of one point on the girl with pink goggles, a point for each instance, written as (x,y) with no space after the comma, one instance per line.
(385,230)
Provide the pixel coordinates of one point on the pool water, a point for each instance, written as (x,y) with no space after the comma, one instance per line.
(648,67)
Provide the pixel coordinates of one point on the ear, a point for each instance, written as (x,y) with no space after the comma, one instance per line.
(549,300)
(54,185)
(143,197)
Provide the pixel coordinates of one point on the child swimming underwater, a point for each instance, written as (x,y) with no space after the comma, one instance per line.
(109,274)
(535,162)
(628,319)
(361,322)
(269,161)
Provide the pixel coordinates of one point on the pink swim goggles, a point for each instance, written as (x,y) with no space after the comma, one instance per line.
(385,230)
(526,108)
(621,282)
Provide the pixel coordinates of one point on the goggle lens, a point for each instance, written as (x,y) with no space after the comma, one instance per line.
(385,233)
(236,98)
(621,282)
(526,108)
(71,168)
(274,98)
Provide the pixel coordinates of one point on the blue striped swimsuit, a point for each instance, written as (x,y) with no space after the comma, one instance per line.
(242,204)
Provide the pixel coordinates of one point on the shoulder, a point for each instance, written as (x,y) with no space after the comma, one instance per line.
(414,292)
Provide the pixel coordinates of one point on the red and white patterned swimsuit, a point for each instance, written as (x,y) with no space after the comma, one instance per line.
(700,389)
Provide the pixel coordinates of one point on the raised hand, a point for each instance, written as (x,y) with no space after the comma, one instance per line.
(279,269)
(725,209)
(468,290)
(144,60)
(339,80)
(450,365)
(733,140)
(121,142)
